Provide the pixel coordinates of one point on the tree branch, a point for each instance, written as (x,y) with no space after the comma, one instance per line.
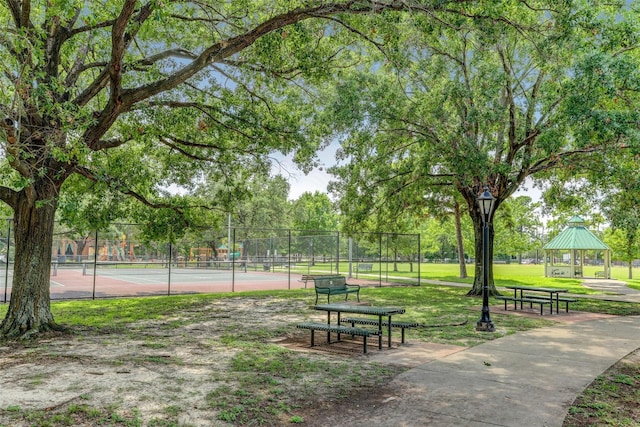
(9,196)
(231,46)
(207,110)
(556,160)
(91,28)
(171,53)
(14,6)
(78,65)
(118,48)
(120,40)
(25,13)
(119,186)
(177,144)
(112,143)
(13,147)
(122,100)
(350,28)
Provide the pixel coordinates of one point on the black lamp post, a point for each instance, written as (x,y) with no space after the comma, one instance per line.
(485,202)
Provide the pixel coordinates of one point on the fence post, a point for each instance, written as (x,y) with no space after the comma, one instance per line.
(289,252)
(337,252)
(95,265)
(386,270)
(418,260)
(380,259)
(169,275)
(350,255)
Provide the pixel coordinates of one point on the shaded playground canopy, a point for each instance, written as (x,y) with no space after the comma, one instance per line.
(565,255)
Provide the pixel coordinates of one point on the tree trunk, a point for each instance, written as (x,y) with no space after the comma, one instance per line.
(460,241)
(630,270)
(81,244)
(479,250)
(395,260)
(29,310)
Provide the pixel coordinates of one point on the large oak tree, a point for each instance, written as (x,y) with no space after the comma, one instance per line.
(128,94)
(487,102)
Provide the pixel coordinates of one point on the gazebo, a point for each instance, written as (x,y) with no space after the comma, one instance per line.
(565,255)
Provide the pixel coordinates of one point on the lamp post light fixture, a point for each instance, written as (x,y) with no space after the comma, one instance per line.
(486,203)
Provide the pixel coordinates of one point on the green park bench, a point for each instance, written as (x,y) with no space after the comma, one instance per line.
(334,285)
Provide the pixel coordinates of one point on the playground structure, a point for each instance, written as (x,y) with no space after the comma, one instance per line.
(223,253)
(208,254)
(201,254)
(117,251)
(67,249)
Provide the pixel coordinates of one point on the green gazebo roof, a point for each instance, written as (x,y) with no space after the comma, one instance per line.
(576,236)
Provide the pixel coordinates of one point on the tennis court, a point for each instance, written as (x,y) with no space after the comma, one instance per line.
(118,262)
(81,280)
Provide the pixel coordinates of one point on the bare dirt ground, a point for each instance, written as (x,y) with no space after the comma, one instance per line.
(179,372)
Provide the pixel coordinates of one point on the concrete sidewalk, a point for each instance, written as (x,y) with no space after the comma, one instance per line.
(526,379)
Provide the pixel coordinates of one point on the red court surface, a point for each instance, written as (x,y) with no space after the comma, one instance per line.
(71,283)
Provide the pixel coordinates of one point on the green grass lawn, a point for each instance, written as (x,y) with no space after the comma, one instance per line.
(431,305)
(504,274)
(434,299)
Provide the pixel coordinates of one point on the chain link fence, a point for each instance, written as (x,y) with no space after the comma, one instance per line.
(119,262)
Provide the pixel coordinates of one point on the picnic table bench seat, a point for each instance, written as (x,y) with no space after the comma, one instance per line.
(334,285)
(531,300)
(394,324)
(506,299)
(339,329)
(565,300)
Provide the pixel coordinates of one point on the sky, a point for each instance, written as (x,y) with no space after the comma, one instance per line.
(318,179)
